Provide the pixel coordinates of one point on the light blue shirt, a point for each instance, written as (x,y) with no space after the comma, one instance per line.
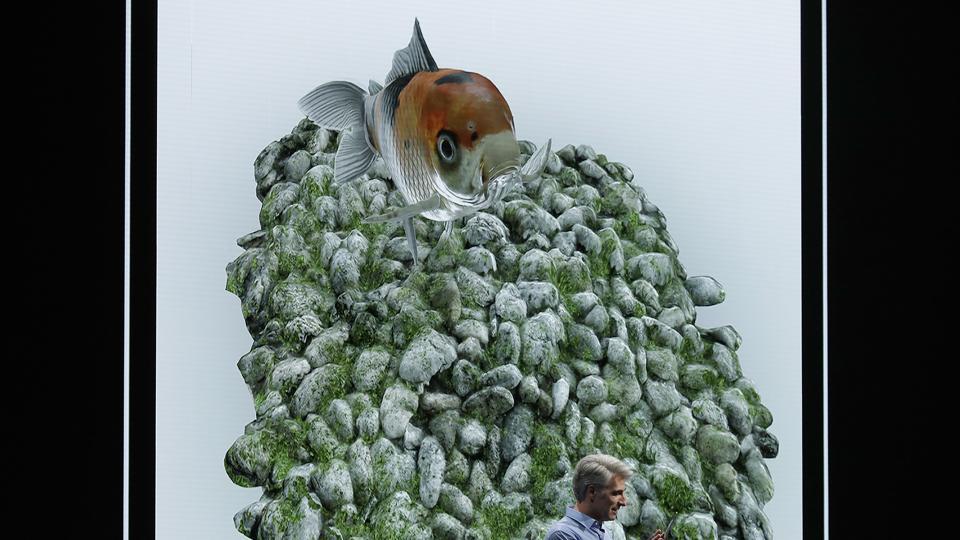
(578,526)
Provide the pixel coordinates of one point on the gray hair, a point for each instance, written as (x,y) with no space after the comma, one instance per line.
(597,470)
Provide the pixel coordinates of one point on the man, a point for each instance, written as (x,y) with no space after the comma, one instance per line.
(598,485)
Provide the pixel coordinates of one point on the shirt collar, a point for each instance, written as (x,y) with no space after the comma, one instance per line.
(585,520)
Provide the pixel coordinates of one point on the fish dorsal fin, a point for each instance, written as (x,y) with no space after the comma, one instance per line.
(374,87)
(415,57)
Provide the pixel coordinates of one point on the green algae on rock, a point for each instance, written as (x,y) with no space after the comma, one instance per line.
(453,398)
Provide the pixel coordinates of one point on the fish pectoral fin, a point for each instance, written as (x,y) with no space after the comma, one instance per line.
(535,165)
(432,203)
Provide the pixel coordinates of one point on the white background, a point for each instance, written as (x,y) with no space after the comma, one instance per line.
(701,99)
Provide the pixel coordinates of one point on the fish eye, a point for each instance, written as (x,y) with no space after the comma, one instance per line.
(446,147)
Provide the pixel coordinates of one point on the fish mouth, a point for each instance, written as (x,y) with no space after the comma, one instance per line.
(509,173)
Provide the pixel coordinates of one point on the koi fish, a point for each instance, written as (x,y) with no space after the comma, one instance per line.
(446,136)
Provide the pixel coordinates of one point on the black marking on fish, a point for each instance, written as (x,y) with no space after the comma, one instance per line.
(459,77)
(391,97)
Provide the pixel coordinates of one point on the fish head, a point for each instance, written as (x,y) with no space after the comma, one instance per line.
(470,136)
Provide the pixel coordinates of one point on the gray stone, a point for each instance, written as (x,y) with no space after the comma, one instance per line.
(433,402)
(479,260)
(565,242)
(704,290)
(759,477)
(509,304)
(716,445)
(396,409)
(472,436)
(591,390)
(560,394)
(479,483)
(585,151)
(304,523)
(368,423)
(603,413)
(655,268)
(248,460)
(507,344)
(572,217)
(431,464)
(494,401)
(753,522)
(598,319)
(698,376)
(471,328)
(320,384)
(679,425)
(528,218)
(474,288)
(455,503)
(647,293)
(661,333)
(652,517)
(567,154)
(320,437)
(335,488)
(412,437)
(517,432)
(444,427)
(590,169)
(278,199)
(620,356)
(427,354)
(672,317)
(447,527)
(507,376)
(340,419)
(484,228)
(725,512)
(702,523)
(727,335)
(587,239)
(464,377)
(662,397)
(470,349)
(539,336)
(737,410)
(726,478)
(256,364)
(538,295)
(249,517)
(583,342)
(583,303)
(287,374)
(369,369)
(726,362)
(529,390)
(623,389)
(662,363)
(536,265)
(517,476)
(709,412)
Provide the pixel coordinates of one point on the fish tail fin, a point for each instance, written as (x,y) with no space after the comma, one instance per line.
(340,105)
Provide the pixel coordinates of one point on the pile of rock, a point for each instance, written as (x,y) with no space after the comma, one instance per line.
(451,399)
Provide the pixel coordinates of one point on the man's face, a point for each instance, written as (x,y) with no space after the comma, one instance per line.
(608,500)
